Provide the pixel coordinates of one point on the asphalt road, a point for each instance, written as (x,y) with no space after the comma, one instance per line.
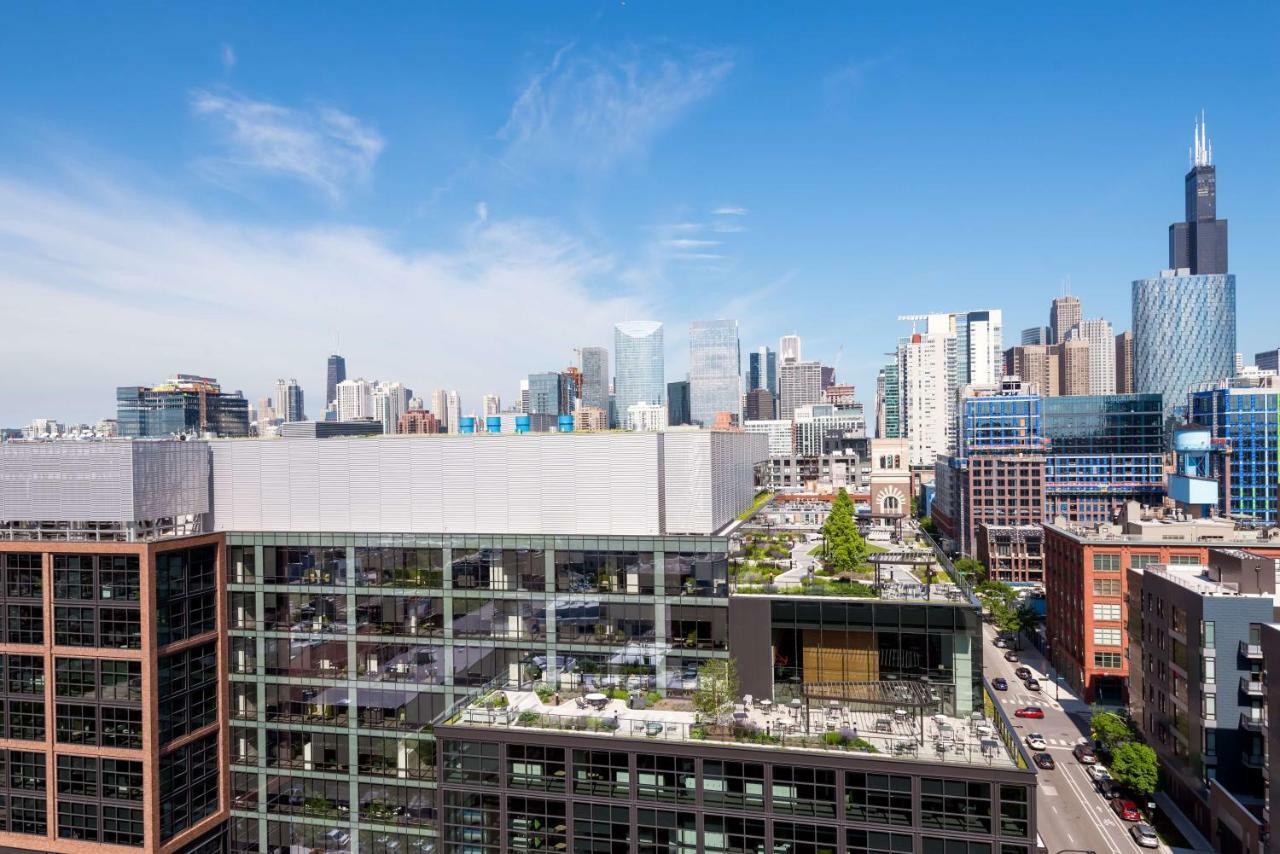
(1072,815)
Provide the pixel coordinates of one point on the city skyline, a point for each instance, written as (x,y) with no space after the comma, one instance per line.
(419,216)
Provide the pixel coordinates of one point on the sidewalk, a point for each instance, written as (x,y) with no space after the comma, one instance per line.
(1184,824)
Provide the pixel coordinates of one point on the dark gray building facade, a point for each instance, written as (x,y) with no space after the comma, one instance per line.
(678,409)
(336,373)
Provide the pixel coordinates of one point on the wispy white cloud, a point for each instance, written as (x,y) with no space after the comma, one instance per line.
(321,146)
(203,295)
(690,243)
(597,111)
(729,210)
(228,55)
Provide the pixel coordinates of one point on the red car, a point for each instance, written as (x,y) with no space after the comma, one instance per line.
(1029,712)
(1127,810)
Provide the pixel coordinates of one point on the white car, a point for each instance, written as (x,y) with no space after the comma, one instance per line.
(1036,741)
(1097,772)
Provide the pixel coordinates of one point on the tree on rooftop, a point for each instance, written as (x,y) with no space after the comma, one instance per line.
(717,688)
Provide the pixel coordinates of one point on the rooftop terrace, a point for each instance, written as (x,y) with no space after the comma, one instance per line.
(912,732)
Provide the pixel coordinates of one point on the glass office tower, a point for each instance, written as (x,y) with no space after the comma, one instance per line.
(1248,421)
(715,368)
(638,364)
(1184,335)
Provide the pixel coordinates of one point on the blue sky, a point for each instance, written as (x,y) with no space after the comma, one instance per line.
(467,192)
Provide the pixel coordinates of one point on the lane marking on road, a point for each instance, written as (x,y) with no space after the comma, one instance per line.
(1100,814)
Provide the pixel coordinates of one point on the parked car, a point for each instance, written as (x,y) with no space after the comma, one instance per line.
(1032,685)
(1084,754)
(1029,712)
(1036,741)
(1045,761)
(999,643)
(1127,810)
(1000,683)
(1023,672)
(1145,835)
(1010,656)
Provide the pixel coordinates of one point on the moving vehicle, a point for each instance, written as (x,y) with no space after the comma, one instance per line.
(1036,741)
(1084,754)
(1045,761)
(1023,672)
(1029,712)
(1145,835)
(1000,683)
(1032,685)
(1127,810)
(1010,656)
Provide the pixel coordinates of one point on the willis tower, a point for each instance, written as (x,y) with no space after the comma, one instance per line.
(1200,243)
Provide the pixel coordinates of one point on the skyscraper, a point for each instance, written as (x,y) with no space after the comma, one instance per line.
(759,405)
(544,393)
(762,371)
(1124,363)
(594,363)
(926,405)
(678,403)
(1074,372)
(1184,320)
(390,401)
(354,400)
(789,348)
(288,401)
(491,405)
(337,372)
(979,346)
(440,407)
(1102,355)
(799,384)
(715,370)
(1035,335)
(638,364)
(1199,244)
(1064,315)
(454,403)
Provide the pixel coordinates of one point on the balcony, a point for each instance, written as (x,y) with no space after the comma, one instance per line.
(1252,687)
(1254,760)
(1251,651)
(1251,722)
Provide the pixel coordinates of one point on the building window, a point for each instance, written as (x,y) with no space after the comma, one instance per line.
(1102,611)
(601,827)
(78,775)
(731,834)
(878,798)
(663,832)
(532,824)
(933,845)
(26,771)
(121,727)
(475,763)
(23,576)
(1209,667)
(25,624)
(1210,741)
(602,773)
(26,720)
(121,628)
(121,826)
(955,805)
(804,791)
(1108,660)
(1015,819)
(28,815)
(877,842)
(1142,561)
(1106,587)
(77,820)
(737,785)
(76,724)
(73,626)
(531,766)
(26,674)
(665,778)
(1210,707)
(1208,634)
(1185,560)
(471,822)
(804,838)
(1106,637)
(1106,563)
(76,678)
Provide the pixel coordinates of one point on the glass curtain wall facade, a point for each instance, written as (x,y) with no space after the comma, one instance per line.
(346,649)
(1184,335)
(638,364)
(595,377)
(1249,421)
(715,371)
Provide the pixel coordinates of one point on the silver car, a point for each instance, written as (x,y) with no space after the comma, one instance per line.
(1145,835)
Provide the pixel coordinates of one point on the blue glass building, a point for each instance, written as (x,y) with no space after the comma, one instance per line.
(638,358)
(1247,420)
(1184,335)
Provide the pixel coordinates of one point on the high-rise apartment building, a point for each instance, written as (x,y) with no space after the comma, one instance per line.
(454,402)
(715,371)
(390,401)
(1124,363)
(647,417)
(639,358)
(335,372)
(1065,314)
(182,405)
(1184,321)
(440,407)
(889,402)
(926,403)
(789,349)
(678,412)
(417,422)
(355,399)
(590,418)
(1038,365)
(1073,360)
(492,405)
(1102,355)
(289,403)
(762,371)
(545,391)
(799,384)
(1268,360)
(594,363)
(759,405)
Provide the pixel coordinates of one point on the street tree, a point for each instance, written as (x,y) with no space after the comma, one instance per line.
(1110,730)
(1134,766)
